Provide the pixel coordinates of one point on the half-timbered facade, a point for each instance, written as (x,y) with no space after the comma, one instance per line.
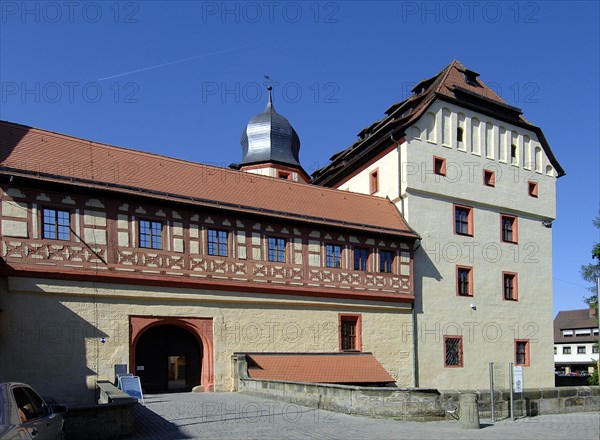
(117,257)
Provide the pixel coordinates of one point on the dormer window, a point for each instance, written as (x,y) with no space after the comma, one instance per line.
(471,77)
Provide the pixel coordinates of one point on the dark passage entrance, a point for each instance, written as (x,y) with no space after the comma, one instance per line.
(168,359)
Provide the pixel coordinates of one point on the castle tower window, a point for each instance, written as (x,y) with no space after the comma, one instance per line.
(489,178)
(459,134)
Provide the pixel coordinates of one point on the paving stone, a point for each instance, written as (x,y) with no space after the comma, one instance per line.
(239,416)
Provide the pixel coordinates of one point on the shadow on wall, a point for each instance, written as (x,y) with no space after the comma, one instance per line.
(424,268)
(45,344)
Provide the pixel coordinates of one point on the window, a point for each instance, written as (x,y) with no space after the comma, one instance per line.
(581,349)
(361,256)
(522,352)
(150,234)
(509,228)
(567,333)
(284,175)
(555,350)
(453,351)
(386,259)
(439,166)
(459,134)
(464,281)
(374,181)
(276,249)
(56,224)
(513,154)
(509,286)
(594,348)
(217,242)
(29,404)
(350,332)
(489,178)
(532,188)
(463,220)
(566,350)
(333,255)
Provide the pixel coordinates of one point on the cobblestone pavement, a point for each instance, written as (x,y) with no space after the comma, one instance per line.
(238,416)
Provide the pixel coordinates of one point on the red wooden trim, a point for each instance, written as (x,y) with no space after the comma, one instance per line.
(357,317)
(229,286)
(515,286)
(515,228)
(460,352)
(471,287)
(527,358)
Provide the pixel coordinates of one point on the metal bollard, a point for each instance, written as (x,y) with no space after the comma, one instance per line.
(469,413)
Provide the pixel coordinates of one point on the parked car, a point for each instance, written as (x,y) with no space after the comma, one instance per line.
(24,415)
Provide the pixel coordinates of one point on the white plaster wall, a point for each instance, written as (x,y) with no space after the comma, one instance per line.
(426,200)
(53,328)
(388,177)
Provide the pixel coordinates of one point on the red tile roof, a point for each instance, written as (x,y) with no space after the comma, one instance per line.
(51,156)
(317,367)
(450,84)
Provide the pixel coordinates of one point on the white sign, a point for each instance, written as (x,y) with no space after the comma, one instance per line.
(518,379)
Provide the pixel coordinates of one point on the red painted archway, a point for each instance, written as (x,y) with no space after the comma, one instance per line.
(201,328)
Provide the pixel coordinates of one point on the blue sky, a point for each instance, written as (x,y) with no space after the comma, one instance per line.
(183,78)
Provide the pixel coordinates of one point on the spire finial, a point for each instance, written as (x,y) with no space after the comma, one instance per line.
(270,106)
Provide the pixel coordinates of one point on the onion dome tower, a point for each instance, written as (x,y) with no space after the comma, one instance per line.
(270,146)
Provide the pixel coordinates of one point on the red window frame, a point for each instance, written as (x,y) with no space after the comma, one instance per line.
(356,320)
(460,351)
(470,226)
(374,181)
(515,286)
(527,357)
(515,228)
(439,165)
(469,269)
(489,178)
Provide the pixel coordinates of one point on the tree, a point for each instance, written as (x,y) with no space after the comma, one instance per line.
(591,272)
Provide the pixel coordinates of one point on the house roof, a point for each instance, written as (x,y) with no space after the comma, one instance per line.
(572,320)
(48,156)
(317,367)
(455,84)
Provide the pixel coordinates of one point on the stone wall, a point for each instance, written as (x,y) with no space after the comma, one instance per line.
(532,402)
(406,404)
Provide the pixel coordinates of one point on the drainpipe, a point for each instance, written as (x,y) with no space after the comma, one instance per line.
(415,342)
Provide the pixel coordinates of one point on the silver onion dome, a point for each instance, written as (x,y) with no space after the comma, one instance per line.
(269,137)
